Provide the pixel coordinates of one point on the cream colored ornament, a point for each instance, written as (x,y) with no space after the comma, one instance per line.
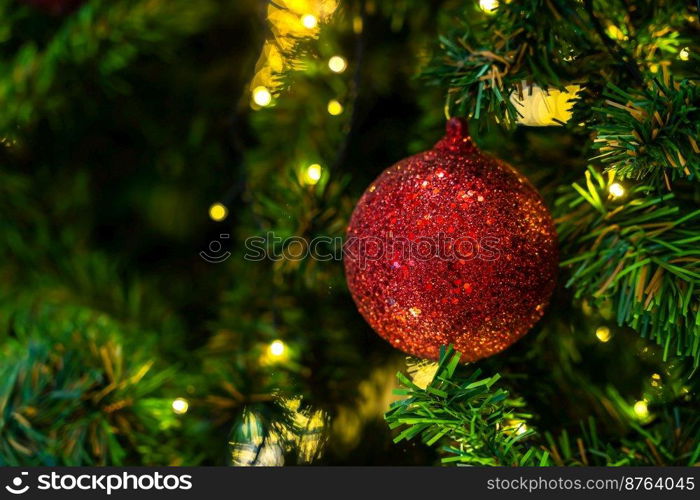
(543,108)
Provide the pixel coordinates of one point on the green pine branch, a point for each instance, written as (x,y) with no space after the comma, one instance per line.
(641,252)
(100,39)
(72,393)
(652,133)
(475,416)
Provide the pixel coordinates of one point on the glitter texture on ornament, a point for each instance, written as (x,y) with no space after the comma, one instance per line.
(451,246)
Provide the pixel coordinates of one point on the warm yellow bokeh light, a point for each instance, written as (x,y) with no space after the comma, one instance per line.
(313,174)
(262,96)
(180,406)
(603,333)
(337,64)
(514,426)
(488,6)
(641,409)
(334,107)
(277,348)
(684,54)
(615,32)
(616,190)
(357,25)
(309,21)
(218,212)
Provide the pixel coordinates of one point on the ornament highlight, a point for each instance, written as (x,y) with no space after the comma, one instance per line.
(451,246)
(543,108)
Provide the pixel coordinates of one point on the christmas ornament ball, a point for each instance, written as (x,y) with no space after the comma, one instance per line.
(451,246)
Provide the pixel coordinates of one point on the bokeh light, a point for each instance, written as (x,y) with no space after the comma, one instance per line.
(488,6)
(218,212)
(616,190)
(262,96)
(312,174)
(334,107)
(277,348)
(603,333)
(180,406)
(309,21)
(641,409)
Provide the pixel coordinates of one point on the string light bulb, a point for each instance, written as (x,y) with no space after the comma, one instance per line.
(180,406)
(277,348)
(488,6)
(684,54)
(313,174)
(616,190)
(641,409)
(309,21)
(603,333)
(262,96)
(337,64)
(334,107)
(218,212)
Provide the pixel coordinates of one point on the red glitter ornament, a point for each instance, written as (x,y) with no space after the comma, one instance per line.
(451,246)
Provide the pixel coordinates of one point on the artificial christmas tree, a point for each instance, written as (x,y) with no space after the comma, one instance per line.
(139,136)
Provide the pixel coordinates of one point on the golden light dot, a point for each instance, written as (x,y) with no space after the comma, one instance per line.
(262,96)
(337,64)
(218,212)
(180,406)
(415,311)
(684,54)
(603,333)
(488,6)
(656,376)
(616,190)
(313,174)
(277,348)
(641,409)
(309,21)
(514,426)
(334,107)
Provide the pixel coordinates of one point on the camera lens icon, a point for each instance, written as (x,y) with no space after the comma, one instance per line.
(216,253)
(16,487)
